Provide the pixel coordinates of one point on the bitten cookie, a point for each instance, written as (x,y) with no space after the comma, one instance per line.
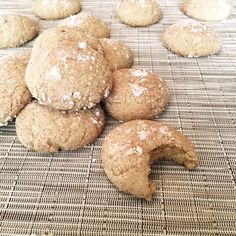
(207,10)
(136,94)
(138,12)
(56,9)
(130,149)
(45,129)
(117,54)
(16,30)
(49,38)
(191,38)
(14,94)
(88,22)
(67,77)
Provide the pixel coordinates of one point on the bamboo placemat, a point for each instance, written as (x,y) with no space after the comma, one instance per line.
(68,193)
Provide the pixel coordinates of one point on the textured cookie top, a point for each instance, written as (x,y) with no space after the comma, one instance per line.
(67,77)
(14,94)
(208,10)
(56,9)
(136,94)
(88,22)
(117,53)
(130,148)
(16,30)
(44,129)
(49,38)
(191,38)
(138,12)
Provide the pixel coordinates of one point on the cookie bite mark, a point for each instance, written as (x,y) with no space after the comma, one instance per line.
(129,150)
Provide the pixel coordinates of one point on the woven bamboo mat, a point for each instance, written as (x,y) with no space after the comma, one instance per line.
(68,194)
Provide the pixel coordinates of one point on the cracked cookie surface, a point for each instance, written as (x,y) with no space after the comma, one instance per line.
(45,129)
(129,150)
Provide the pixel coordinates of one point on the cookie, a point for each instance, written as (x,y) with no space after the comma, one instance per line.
(49,38)
(15,30)
(92,24)
(56,9)
(44,129)
(14,94)
(129,150)
(68,77)
(138,12)
(207,10)
(191,38)
(136,94)
(117,54)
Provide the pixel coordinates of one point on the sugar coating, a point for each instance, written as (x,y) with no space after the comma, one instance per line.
(56,9)
(70,77)
(191,38)
(207,10)
(138,12)
(94,25)
(136,94)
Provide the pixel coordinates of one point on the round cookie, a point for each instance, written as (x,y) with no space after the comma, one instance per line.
(56,9)
(67,77)
(88,22)
(45,129)
(207,10)
(138,12)
(136,94)
(129,150)
(49,38)
(14,94)
(191,38)
(117,54)
(16,30)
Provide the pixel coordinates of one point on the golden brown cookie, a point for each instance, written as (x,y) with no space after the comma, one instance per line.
(136,94)
(207,10)
(14,94)
(129,150)
(191,38)
(117,54)
(49,38)
(45,129)
(68,77)
(138,12)
(16,30)
(56,9)
(92,24)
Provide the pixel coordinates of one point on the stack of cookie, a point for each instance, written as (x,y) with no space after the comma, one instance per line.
(70,73)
